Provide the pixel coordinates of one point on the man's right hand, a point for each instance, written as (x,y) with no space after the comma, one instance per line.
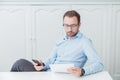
(38,68)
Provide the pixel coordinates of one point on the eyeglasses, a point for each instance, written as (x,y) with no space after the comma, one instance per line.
(73,26)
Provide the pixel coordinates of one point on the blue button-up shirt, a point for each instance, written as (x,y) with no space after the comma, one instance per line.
(77,50)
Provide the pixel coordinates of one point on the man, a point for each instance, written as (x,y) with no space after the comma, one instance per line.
(73,48)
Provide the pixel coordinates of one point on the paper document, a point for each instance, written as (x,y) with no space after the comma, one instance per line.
(60,67)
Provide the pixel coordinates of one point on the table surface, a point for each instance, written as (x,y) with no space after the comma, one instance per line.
(104,75)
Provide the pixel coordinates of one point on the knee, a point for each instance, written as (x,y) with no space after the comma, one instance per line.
(20,61)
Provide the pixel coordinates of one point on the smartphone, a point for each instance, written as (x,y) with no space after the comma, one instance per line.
(39,64)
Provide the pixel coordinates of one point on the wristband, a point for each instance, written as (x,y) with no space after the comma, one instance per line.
(82,72)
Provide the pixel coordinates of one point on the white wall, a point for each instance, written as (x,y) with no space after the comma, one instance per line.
(61,0)
(29,30)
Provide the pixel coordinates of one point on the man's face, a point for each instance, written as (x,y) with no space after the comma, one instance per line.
(71,26)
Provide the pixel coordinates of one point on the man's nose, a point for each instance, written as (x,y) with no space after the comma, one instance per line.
(69,28)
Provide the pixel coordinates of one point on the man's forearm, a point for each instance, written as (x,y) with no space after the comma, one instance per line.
(93,68)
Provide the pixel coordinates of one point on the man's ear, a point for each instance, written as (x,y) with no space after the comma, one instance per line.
(79,25)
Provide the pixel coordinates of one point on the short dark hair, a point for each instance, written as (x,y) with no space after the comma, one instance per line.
(72,13)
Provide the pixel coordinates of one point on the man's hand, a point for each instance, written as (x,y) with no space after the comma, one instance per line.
(75,71)
(38,68)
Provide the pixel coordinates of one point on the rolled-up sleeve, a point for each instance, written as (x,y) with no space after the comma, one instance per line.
(95,63)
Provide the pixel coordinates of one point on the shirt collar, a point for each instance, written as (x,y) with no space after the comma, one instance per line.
(78,35)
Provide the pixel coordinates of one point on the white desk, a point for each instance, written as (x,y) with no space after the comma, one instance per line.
(51,76)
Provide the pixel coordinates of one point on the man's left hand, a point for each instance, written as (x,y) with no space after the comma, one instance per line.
(75,71)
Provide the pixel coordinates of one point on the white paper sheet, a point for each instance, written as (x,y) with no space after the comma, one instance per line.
(60,67)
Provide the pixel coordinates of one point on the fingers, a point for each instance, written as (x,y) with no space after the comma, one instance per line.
(38,68)
(72,70)
(35,64)
(41,62)
(75,71)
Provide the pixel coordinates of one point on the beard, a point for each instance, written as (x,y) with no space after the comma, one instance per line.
(71,34)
